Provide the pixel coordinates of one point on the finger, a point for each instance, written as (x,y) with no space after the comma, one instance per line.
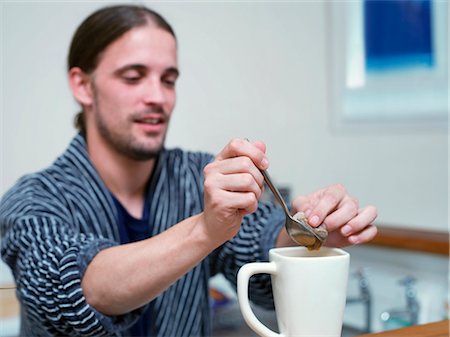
(301,203)
(243,202)
(304,204)
(363,236)
(251,204)
(364,218)
(345,212)
(260,145)
(328,202)
(335,239)
(239,182)
(236,165)
(240,147)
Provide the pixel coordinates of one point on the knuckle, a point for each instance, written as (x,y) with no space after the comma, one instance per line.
(246,163)
(252,202)
(340,188)
(331,198)
(259,192)
(208,168)
(354,206)
(208,184)
(235,143)
(247,179)
(252,198)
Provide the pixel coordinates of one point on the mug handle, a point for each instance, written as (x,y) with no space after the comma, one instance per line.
(243,278)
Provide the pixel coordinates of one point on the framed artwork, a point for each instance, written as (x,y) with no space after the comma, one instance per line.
(389,62)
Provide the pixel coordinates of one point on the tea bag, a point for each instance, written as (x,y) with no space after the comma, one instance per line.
(311,242)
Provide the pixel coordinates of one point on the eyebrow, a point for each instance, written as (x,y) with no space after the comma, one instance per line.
(140,67)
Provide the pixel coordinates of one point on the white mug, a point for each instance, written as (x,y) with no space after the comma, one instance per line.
(309,290)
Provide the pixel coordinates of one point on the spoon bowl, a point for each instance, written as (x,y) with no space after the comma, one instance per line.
(297,226)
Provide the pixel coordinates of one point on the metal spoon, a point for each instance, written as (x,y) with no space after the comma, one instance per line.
(297,227)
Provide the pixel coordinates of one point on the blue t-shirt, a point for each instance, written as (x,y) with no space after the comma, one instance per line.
(131,230)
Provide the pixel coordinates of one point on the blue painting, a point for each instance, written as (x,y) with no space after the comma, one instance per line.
(398,34)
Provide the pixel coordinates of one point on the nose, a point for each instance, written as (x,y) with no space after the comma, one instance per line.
(154,92)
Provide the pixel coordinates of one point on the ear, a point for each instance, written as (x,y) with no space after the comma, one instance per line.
(80,83)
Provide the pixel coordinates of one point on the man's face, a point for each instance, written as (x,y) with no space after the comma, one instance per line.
(134,92)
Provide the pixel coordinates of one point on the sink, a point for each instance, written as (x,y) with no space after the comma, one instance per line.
(228,321)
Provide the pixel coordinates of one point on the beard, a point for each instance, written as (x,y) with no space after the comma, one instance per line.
(127,144)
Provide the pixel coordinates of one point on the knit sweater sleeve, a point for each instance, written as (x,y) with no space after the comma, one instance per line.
(256,237)
(48,256)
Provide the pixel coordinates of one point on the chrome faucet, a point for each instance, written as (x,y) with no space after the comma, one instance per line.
(364,297)
(404,316)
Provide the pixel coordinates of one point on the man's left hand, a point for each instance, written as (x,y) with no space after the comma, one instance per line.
(346,222)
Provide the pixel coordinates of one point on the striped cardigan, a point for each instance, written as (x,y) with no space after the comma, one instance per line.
(55,221)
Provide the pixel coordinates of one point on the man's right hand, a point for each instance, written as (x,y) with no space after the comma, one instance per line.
(233,186)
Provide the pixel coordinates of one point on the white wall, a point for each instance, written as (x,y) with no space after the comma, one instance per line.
(256,70)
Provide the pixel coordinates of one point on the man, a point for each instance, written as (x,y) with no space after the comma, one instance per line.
(120,235)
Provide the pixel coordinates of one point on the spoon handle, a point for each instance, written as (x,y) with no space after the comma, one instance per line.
(275,191)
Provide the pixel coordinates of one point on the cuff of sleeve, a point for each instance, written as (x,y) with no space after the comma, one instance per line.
(110,323)
(90,251)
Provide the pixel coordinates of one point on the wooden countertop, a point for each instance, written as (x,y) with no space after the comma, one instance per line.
(9,305)
(412,239)
(435,329)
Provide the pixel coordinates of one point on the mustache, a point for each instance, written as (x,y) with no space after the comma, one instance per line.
(148,111)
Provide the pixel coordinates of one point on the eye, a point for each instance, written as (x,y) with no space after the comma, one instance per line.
(132,79)
(169,81)
(132,76)
(169,84)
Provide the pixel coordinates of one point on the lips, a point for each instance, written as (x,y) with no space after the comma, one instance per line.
(151,120)
(151,123)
